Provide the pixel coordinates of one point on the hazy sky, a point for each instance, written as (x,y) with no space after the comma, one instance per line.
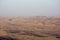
(29,7)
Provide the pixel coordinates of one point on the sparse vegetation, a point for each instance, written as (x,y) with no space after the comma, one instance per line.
(30,28)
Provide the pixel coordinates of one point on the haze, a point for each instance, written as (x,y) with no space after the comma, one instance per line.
(29,7)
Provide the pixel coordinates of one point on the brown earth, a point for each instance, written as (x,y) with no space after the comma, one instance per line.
(30,28)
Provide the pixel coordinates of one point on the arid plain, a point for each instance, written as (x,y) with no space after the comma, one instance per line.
(30,28)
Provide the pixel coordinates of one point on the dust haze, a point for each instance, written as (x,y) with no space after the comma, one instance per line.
(29,7)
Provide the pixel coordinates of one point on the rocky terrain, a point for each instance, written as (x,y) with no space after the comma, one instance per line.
(30,28)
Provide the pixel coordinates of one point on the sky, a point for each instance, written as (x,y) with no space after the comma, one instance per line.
(29,7)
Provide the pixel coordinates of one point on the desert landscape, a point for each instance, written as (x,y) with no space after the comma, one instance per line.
(29,19)
(30,28)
